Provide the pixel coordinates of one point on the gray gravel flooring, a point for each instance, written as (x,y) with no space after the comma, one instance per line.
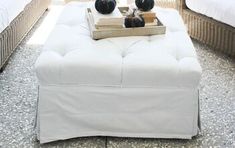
(18,95)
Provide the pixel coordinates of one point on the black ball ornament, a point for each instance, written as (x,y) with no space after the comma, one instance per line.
(105,6)
(144,5)
(134,20)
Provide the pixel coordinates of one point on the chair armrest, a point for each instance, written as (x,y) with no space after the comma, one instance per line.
(180,5)
(177,4)
(166,3)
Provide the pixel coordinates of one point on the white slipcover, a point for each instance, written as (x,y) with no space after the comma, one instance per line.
(223,11)
(142,86)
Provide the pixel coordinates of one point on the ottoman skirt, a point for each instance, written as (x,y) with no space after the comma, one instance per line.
(76,111)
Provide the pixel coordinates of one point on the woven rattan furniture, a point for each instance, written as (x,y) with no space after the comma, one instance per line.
(219,36)
(11,36)
(166,3)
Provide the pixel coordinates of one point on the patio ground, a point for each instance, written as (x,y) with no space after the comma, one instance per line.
(18,95)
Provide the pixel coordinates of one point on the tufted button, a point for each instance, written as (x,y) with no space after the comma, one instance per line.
(159,60)
(123,54)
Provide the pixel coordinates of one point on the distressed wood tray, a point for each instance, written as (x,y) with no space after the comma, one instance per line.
(121,32)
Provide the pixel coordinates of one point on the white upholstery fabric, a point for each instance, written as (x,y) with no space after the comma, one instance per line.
(73,111)
(145,61)
(9,9)
(142,86)
(223,11)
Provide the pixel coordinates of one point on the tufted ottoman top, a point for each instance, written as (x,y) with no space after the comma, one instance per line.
(72,57)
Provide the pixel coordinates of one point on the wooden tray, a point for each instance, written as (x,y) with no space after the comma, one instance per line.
(121,32)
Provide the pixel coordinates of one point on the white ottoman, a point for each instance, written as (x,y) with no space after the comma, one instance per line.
(144,86)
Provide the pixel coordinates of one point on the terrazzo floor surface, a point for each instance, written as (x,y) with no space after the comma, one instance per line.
(18,95)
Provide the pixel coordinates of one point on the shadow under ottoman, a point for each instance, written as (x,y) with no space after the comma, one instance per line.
(142,86)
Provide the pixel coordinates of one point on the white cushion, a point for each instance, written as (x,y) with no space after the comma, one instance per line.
(71,56)
(223,11)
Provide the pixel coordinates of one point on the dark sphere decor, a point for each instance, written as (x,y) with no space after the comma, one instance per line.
(144,5)
(134,20)
(105,6)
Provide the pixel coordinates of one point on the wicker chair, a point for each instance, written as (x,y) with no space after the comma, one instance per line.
(167,3)
(219,36)
(11,36)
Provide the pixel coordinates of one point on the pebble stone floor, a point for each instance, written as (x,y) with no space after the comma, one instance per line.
(18,95)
